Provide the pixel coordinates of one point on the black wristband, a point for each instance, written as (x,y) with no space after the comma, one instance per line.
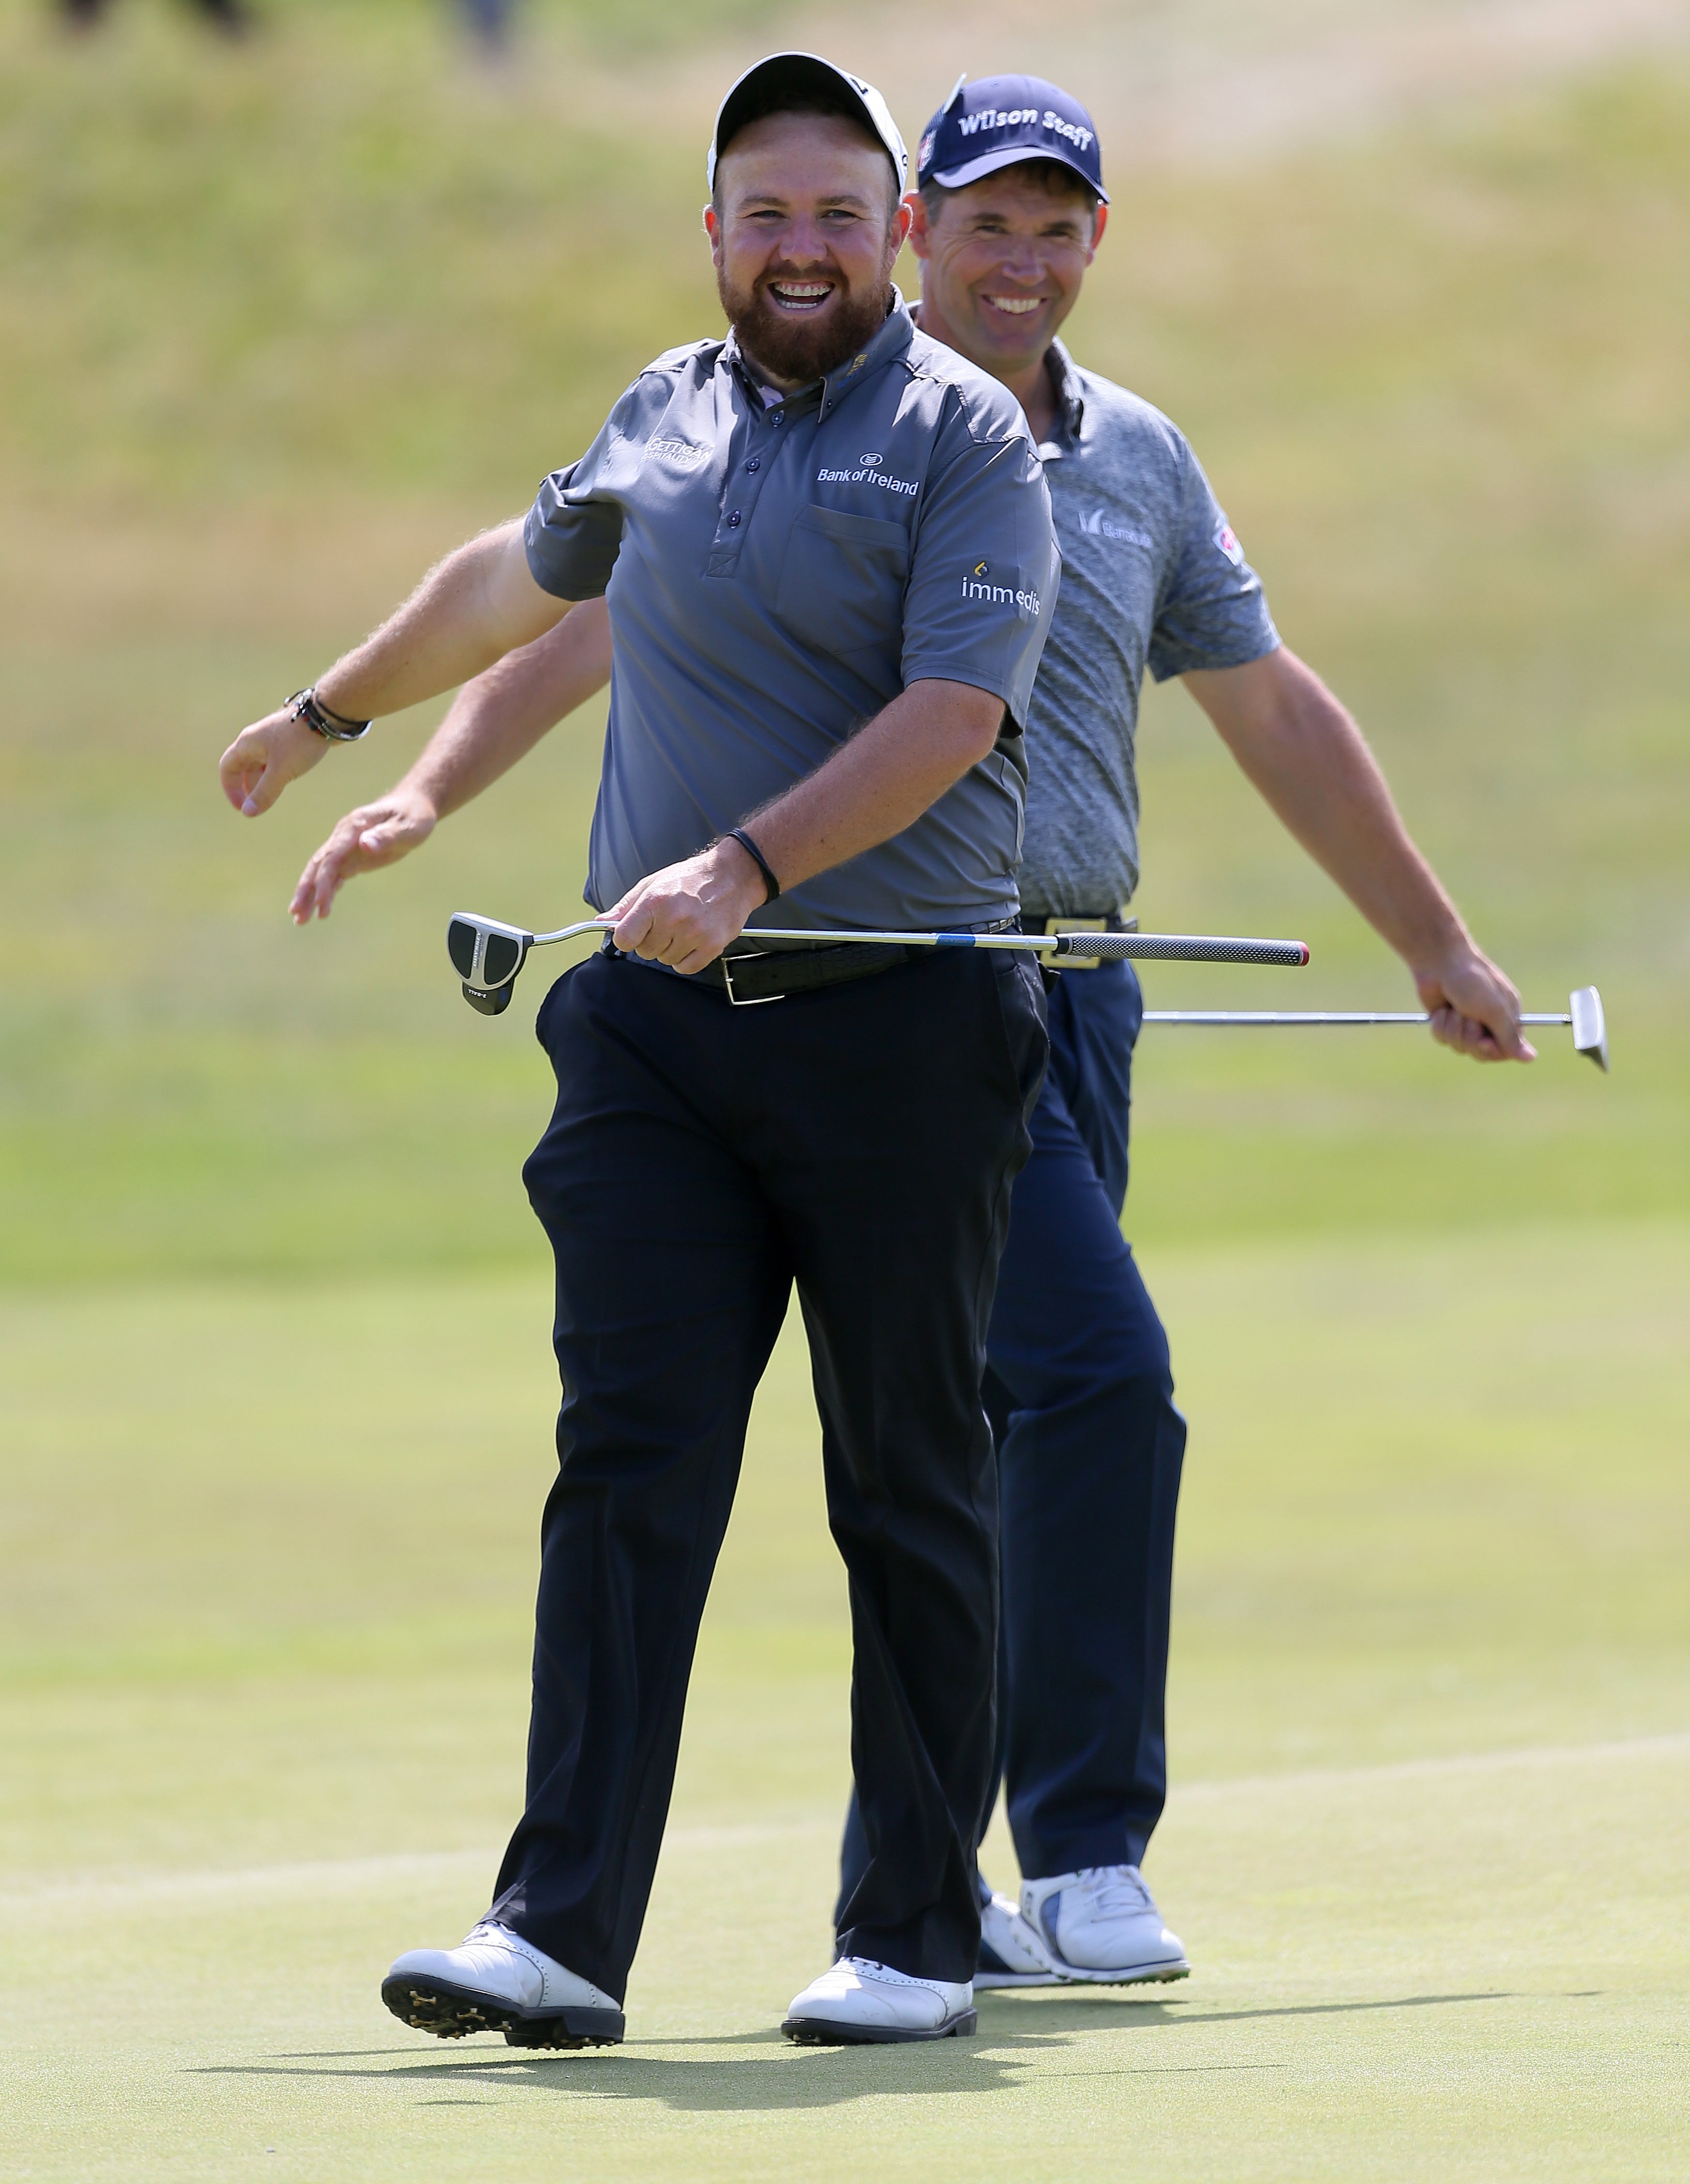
(333,727)
(738,834)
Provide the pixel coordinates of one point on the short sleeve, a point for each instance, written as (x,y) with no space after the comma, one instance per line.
(984,569)
(573,531)
(1211,611)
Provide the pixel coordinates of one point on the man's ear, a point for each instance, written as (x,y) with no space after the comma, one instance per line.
(920,233)
(713,228)
(1100,221)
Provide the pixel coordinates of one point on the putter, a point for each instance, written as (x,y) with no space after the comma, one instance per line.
(1583,1013)
(487,954)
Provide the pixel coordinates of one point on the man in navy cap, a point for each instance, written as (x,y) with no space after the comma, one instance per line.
(817,696)
(1011,208)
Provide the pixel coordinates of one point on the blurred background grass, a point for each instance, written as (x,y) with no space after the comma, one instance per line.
(285,322)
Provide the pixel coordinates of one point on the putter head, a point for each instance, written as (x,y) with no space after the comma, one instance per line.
(487,956)
(1590,1028)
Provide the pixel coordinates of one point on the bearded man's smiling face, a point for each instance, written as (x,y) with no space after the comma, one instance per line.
(804,231)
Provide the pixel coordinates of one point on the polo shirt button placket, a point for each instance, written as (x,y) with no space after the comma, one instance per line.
(732,520)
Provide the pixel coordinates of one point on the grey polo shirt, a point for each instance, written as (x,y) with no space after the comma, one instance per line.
(1152,577)
(776,576)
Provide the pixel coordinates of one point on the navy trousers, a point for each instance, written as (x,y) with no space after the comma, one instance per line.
(861,1142)
(1090,1448)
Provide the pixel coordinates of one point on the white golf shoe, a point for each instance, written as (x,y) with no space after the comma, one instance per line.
(857,2001)
(1011,1954)
(1101,1925)
(494,1981)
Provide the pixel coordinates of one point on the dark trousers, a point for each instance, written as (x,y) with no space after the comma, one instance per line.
(1090,1448)
(860,1141)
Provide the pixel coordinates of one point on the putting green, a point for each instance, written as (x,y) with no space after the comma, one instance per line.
(267,1560)
(266,1546)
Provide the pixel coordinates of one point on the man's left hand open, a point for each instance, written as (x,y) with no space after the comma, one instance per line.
(687,914)
(1473,1007)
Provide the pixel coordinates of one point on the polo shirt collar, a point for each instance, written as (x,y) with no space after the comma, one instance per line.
(1065,384)
(897,333)
(893,338)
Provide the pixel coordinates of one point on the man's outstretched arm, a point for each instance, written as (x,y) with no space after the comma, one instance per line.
(474,606)
(1306,756)
(494,721)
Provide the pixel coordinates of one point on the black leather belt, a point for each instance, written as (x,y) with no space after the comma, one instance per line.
(750,975)
(763,975)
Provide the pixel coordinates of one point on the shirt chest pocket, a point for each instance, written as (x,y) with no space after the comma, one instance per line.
(841,582)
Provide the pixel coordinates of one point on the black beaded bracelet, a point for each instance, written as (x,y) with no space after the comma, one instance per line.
(738,834)
(333,727)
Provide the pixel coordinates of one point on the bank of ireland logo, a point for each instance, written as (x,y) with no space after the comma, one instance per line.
(869,472)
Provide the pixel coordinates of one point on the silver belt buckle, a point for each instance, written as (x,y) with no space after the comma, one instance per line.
(1077,925)
(750,1000)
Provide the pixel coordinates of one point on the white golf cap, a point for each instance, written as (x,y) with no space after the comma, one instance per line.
(802,73)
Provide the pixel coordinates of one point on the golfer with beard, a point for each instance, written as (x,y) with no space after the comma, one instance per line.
(1079,1388)
(826,550)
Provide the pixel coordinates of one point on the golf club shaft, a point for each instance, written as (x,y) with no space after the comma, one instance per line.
(1269,1018)
(1111,947)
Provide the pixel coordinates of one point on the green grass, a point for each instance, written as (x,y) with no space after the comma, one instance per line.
(280,327)
(267,1566)
(351,258)
(282,334)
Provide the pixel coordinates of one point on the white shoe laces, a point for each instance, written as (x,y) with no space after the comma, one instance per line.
(866,1968)
(1116,1891)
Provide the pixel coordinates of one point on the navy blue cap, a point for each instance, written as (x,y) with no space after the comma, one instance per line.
(1002,121)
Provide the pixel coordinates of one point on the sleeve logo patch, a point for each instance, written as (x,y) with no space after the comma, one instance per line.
(976,585)
(677,451)
(1227,541)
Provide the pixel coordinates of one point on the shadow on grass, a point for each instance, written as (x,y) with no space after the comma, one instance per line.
(1015,2031)
(1073,2013)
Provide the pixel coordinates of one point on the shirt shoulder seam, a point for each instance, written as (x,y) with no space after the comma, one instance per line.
(674,361)
(956,383)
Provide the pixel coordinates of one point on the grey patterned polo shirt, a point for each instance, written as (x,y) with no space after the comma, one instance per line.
(1152,577)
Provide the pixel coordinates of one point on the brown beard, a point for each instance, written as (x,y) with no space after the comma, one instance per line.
(796,349)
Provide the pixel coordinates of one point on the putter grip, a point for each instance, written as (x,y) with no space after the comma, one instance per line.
(1181,948)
